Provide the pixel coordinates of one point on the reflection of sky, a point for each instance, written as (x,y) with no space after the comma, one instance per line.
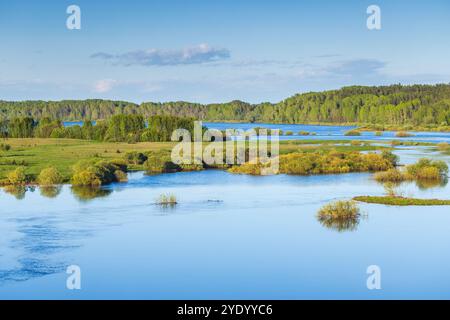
(258,238)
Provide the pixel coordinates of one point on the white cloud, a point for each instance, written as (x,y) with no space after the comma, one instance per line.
(105,85)
(157,57)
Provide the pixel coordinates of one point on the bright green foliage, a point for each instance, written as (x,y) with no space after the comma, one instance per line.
(408,106)
(21,127)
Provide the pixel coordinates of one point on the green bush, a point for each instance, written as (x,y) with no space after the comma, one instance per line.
(95,173)
(49,177)
(5,147)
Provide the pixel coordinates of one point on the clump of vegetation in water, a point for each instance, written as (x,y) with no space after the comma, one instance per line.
(304,133)
(403,134)
(378,133)
(353,133)
(49,177)
(443,147)
(340,215)
(401,201)
(392,175)
(96,173)
(427,169)
(424,169)
(158,162)
(288,133)
(167,200)
(307,163)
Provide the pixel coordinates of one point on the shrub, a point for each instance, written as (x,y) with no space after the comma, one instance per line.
(339,210)
(428,169)
(391,157)
(120,176)
(355,143)
(353,133)
(403,134)
(322,163)
(395,143)
(136,158)
(92,173)
(49,177)
(443,146)
(340,216)
(166,199)
(17,177)
(5,147)
(392,175)
(158,162)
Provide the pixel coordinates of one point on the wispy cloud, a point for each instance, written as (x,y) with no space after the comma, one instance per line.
(104,85)
(202,53)
(357,67)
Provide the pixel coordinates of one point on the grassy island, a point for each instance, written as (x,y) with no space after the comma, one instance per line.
(401,201)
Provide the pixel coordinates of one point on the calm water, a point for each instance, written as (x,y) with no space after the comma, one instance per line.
(323,132)
(231,236)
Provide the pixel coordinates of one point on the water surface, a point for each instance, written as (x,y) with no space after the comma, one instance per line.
(230,236)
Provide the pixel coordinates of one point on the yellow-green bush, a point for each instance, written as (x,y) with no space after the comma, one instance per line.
(95,173)
(49,177)
(17,177)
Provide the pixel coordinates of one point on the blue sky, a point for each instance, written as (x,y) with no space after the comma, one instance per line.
(217,50)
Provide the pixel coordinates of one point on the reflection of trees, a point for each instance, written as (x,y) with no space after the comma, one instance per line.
(86,193)
(50,191)
(16,191)
(340,224)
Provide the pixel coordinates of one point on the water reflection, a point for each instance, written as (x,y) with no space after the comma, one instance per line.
(429,184)
(50,191)
(85,193)
(17,191)
(340,224)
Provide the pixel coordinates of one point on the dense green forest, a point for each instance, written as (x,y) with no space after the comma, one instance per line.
(129,128)
(424,105)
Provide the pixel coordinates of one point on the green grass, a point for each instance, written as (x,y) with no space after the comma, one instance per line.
(37,154)
(401,201)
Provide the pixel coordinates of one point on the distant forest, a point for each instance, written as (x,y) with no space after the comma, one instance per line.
(425,105)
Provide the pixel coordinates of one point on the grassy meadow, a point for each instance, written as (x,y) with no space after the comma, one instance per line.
(36,154)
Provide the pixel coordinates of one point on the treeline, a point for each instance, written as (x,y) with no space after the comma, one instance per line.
(424,105)
(119,128)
